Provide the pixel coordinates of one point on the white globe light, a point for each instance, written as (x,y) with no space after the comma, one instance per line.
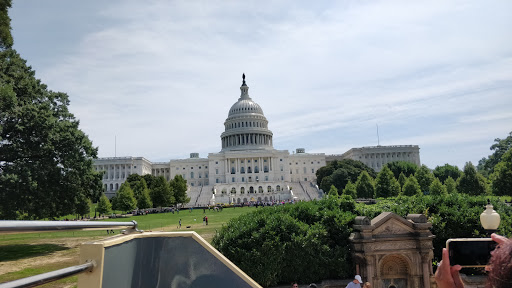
(489,218)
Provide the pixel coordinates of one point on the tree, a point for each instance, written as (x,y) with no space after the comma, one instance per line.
(364,186)
(402,179)
(424,177)
(133,180)
(411,187)
(161,193)
(5,25)
(443,172)
(45,159)
(141,193)
(451,186)
(386,184)
(502,176)
(125,200)
(149,180)
(338,173)
(83,207)
(405,167)
(333,191)
(179,187)
(471,182)
(500,147)
(437,188)
(104,206)
(350,189)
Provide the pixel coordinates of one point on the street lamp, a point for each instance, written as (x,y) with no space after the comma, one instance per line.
(489,218)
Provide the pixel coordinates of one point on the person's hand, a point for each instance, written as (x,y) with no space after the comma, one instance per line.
(498,238)
(446,275)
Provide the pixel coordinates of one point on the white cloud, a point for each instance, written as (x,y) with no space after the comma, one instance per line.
(162,76)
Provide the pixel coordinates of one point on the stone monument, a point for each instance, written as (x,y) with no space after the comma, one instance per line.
(393,252)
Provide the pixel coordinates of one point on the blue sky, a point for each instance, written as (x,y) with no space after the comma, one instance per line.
(160,76)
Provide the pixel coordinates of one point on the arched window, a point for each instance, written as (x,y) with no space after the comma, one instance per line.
(249,169)
(233,190)
(256,169)
(111,187)
(278,188)
(269,189)
(265,169)
(242,170)
(260,189)
(117,186)
(242,190)
(232,170)
(251,189)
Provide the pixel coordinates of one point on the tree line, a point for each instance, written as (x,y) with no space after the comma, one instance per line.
(148,191)
(493,176)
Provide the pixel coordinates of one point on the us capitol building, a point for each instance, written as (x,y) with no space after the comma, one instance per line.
(248,168)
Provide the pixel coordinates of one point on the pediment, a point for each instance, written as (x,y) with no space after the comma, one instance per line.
(391,224)
(393,227)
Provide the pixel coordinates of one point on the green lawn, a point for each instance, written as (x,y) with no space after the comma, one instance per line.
(22,246)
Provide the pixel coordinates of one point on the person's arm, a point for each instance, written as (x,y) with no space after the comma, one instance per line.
(448,276)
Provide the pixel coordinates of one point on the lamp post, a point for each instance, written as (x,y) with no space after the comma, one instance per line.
(489,218)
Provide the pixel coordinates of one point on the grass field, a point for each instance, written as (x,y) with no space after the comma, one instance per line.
(27,254)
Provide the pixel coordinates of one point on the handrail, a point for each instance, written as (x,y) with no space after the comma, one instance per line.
(41,279)
(34,225)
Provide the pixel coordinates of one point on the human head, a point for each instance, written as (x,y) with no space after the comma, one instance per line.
(358,278)
(367,285)
(295,285)
(312,285)
(500,266)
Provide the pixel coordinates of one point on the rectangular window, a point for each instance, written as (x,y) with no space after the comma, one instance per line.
(233,179)
(217,180)
(266,178)
(282,178)
(243,179)
(216,170)
(313,170)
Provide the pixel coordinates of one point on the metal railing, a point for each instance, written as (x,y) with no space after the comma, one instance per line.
(29,226)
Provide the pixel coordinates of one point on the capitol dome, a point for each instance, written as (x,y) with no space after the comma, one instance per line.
(246,128)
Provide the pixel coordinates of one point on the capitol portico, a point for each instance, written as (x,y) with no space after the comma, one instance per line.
(247,168)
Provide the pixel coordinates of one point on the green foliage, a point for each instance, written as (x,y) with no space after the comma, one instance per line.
(401,179)
(424,177)
(364,186)
(452,215)
(45,159)
(386,184)
(179,188)
(398,167)
(141,193)
(161,193)
(471,182)
(5,25)
(338,173)
(411,187)
(83,207)
(443,172)
(333,192)
(125,200)
(304,242)
(133,180)
(104,206)
(502,176)
(437,188)
(500,147)
(350,190)
(451,186)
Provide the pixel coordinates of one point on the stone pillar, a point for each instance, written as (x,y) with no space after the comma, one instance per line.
(426,271)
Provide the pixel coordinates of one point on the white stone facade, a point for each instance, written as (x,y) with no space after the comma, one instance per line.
(247,168)
(377,156)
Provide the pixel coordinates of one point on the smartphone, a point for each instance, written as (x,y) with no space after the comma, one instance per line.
(470,252)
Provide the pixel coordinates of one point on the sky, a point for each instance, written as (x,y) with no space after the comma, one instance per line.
(157,78)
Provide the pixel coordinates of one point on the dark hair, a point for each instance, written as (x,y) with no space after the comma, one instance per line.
(500,274)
